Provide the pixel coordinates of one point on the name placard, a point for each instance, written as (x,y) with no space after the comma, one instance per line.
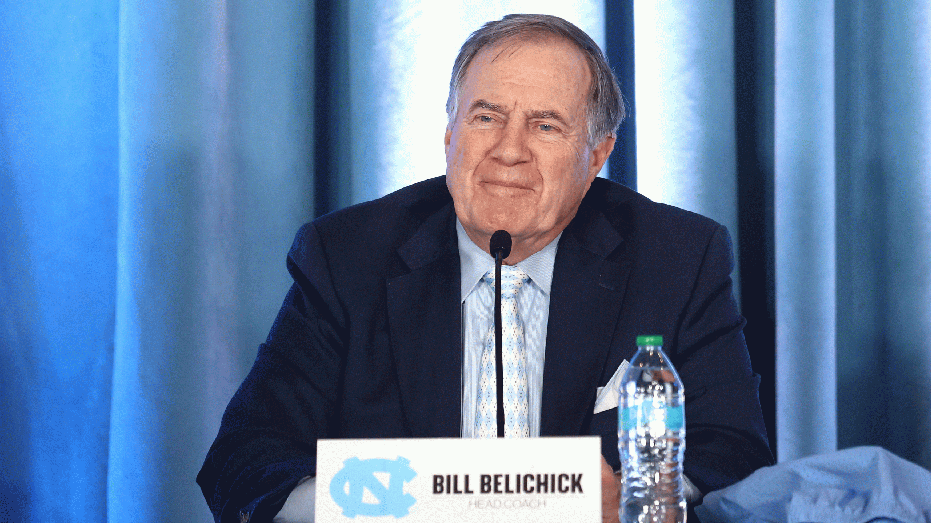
(452,479)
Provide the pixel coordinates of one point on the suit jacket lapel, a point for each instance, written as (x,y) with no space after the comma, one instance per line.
(587,291)
(424,316)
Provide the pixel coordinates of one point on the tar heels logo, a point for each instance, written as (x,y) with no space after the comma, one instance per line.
(360,474)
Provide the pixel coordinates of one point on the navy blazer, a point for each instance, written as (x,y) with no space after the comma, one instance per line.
(368,341)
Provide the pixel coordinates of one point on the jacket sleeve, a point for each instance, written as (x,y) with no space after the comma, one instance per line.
(267,438)
(725,434)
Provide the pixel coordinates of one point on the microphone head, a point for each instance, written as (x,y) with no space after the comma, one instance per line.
(500,241)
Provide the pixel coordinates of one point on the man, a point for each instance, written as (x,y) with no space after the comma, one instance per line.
(382,333)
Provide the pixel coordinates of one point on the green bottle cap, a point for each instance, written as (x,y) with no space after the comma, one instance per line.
(652,339)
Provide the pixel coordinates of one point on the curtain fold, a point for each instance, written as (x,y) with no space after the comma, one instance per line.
(214,111)
(884,226)
(684,68)
(806,404)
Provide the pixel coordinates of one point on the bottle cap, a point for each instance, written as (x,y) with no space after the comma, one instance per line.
(652,340)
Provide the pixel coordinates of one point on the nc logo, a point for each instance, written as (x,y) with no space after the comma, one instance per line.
(359,475)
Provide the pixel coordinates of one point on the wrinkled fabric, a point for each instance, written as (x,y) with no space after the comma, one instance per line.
(857,485)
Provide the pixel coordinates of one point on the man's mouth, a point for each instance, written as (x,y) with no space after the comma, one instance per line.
(505,186)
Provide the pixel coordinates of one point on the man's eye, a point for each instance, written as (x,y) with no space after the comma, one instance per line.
(484,118)
(546,127)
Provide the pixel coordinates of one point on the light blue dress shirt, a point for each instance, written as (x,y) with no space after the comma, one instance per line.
(478,298)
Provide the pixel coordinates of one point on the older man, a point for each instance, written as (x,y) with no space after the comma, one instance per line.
(383,332)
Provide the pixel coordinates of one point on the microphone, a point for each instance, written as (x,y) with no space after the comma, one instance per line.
(500,248)
(500,244)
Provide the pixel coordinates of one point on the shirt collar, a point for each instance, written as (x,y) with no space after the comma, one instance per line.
(474,263)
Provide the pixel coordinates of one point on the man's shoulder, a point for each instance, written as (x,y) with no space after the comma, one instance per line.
(633,213)
(381,225)
(418,201)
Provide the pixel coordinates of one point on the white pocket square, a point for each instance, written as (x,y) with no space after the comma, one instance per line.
(607,397)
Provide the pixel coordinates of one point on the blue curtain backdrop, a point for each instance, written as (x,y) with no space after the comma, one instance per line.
(157,157)
(58,256)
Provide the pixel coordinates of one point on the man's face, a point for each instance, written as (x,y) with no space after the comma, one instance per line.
(517,154)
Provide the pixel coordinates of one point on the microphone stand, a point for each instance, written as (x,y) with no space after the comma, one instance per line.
(500,247)
(499,359)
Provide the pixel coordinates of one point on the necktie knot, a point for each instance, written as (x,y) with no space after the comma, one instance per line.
(512,278)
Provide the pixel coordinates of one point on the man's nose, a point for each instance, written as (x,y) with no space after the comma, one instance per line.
(512,144)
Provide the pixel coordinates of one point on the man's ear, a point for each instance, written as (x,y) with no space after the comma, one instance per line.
(600,155)
(447,138)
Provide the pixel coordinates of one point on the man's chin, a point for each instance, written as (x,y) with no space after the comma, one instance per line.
(517,224)
(512,218)
(513,227)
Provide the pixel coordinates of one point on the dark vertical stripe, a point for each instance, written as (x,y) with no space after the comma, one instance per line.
(754,73)
(331,107)
(864,350)
(619,48)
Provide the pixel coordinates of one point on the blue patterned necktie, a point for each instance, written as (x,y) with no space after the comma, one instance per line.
(514,358)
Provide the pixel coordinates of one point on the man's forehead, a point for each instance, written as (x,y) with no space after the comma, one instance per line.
(511,45)
(567,74)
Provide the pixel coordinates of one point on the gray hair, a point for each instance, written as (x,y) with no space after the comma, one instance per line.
(605,103)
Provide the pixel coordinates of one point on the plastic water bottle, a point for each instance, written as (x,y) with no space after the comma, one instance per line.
(651,437)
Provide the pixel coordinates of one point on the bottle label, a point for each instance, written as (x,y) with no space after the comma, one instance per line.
(657,418)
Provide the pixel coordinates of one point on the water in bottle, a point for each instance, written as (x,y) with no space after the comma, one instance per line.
(651,437)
